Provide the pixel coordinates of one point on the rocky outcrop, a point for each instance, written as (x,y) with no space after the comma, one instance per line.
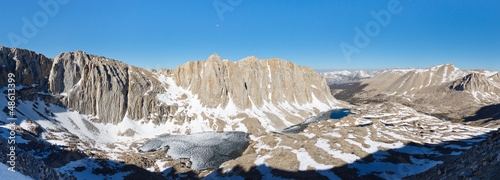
(251,81)
(29,68)
(27,163)
(90,84)
(473,82)
(94,85)
(104,87)
(33,127)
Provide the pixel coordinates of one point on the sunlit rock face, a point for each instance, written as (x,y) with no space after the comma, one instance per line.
(251,81)
(105,88)
(250,95)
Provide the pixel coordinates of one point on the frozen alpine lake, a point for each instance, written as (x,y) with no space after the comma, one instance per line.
(332,114)
(205,150)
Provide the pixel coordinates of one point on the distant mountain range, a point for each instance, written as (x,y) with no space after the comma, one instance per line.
(343,77)
(445,89)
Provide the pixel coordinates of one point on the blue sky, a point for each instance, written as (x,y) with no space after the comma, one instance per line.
(165,34)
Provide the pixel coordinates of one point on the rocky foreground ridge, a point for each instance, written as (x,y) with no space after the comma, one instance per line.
(479,162)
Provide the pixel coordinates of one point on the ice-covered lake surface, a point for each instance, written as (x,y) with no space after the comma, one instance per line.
(332,114)
(205,150)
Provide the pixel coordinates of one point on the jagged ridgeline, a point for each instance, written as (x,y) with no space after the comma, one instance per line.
(251,94)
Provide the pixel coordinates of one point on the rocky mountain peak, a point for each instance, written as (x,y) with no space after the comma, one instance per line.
(450,65)
(473,82)
(214,57)
(249,58)
(250,81)
(444,70)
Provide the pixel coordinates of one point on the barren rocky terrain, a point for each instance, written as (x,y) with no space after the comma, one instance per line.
(480,162)
(90,117)
(445,91)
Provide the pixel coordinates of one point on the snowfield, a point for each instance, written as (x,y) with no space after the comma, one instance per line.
(389,139)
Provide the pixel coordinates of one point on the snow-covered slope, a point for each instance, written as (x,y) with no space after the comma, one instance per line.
(104,99)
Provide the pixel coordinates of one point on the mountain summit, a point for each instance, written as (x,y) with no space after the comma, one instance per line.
(214,57)
(474,82)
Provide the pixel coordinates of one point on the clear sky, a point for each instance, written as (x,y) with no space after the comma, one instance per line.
(165,34)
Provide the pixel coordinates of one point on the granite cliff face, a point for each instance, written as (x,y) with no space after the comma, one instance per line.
(185,98)
(250,81)
(250,95)
(93,85)
(105,88)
